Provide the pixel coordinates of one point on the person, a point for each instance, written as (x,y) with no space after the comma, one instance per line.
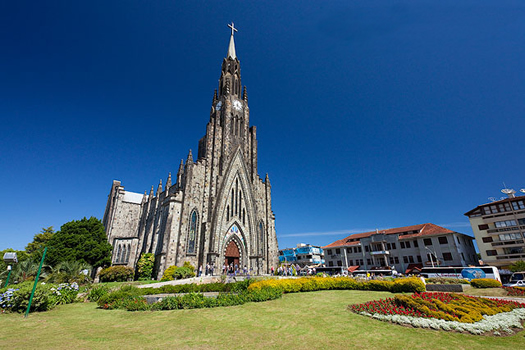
(245,270)
(223,269)
(207,269)
(272,270)
(212,267)
(200,270)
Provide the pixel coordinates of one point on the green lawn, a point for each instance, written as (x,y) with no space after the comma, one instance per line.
(301,320)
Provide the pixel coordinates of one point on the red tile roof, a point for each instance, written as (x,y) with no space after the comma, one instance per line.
(415,231)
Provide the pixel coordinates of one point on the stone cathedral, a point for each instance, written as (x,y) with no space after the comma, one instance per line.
(217,210)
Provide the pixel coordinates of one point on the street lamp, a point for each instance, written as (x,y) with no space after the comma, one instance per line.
(9,258)
(435,255)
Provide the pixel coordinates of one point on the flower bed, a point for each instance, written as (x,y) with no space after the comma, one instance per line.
(446,311)
(46,296)
(307,284)
(515,291)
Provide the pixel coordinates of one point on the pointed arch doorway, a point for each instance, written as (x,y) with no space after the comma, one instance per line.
(232,254)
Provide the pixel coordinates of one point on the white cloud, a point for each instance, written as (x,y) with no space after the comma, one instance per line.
(327,233)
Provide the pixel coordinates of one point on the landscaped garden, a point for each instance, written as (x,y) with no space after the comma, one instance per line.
(297,320)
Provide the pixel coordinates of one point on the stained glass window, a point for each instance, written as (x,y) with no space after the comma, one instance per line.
(192,233)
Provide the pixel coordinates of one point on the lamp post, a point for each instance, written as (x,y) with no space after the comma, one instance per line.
(432,253)
(9,258)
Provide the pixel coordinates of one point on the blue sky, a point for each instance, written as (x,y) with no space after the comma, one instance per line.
(370,114)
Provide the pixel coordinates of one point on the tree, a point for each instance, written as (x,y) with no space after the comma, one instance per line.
(80,240)
(35,249)
(517,266)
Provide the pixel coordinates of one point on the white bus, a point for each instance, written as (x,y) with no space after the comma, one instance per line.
(468,273)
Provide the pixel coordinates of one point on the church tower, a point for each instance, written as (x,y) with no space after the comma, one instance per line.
(218,210)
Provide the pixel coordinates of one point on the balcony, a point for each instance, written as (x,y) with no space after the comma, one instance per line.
(507,243)
(505,229)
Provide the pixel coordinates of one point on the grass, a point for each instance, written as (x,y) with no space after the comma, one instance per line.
(301,320)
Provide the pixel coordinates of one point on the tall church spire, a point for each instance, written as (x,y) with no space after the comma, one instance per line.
(231,48)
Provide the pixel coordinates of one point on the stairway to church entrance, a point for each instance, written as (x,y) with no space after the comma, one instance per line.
(232,254)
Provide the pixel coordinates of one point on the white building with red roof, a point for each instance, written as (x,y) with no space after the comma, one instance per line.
(404,248)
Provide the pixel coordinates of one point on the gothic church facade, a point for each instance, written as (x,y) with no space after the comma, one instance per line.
(217,210)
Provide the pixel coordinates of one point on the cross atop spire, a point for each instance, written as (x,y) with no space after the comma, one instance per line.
(232,27)
(231,48)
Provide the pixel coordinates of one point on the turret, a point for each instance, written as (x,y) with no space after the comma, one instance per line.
(159,188)
(168,182)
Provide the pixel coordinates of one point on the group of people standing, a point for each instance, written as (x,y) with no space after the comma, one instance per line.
(231,269)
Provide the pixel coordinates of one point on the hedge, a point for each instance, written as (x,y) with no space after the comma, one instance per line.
(306,284)
(116,274)
(485,283)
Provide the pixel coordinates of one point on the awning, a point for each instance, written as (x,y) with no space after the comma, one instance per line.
(413,268)
(352,268)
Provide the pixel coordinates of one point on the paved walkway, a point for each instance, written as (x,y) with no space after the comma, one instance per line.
(195,280)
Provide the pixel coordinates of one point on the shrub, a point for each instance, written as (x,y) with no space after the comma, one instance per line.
(97,291)
(178,272)
(485,283)
(145,266)
(118,299)
(19,299)
(64,293)
(116,274)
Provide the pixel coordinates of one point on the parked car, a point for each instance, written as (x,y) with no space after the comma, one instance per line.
(515,284)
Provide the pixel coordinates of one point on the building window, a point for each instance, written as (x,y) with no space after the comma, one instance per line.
(411,259)
(402,244)
(487,239)
(349,250)
(416,244)
(369,262)
(491,252)
(518,205)
(351,262)
(521,221)
(447,256)
(367,249)
(329,251)
(509,236)
(427,241)
(339,263)
(338,251)
(462,256)
(192,232)
(506,223)
(443,240)
(407,244)
(515,250)
(330,263)
(391,260)
(419,258)
(261,238)
(405,259)
(396,259)
(359,250)
(393,246)
(119,252)
(482,227)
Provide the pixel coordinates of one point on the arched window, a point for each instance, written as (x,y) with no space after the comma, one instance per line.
(261,238)
(243,216)
(123,256)
(193,232)
(228,213)
(233,196)
(127,255)
(119,251)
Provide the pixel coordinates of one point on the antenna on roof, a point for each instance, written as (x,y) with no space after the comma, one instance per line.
(509,192)
(493,199)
